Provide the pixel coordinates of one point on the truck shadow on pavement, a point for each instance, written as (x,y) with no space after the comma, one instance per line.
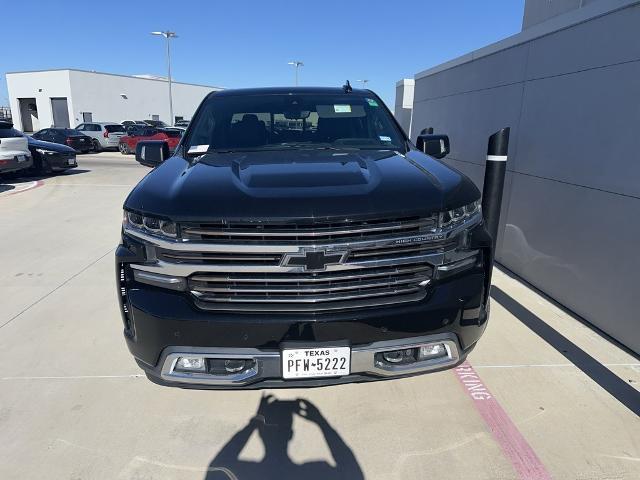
(626,394)
(274,423)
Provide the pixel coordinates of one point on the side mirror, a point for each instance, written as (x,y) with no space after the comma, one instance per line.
(436,146)
(152,153)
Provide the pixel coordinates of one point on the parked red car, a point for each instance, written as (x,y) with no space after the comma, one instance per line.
(137,133)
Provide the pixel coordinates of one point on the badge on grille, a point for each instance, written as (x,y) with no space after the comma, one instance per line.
(314,259)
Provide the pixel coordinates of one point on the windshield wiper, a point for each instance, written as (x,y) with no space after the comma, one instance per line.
(302,146)
(273,147)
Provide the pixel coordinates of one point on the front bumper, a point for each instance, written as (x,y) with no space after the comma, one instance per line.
(60,162)
(160,324)
(266,372)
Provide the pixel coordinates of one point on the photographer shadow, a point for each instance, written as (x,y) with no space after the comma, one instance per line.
(274,424)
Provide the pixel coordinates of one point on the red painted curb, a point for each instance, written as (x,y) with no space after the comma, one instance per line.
(514,446)
(34,184)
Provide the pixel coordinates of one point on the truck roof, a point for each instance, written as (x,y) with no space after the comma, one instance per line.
(291,90)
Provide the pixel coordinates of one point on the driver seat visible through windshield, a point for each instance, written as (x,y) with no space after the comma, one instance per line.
(249,132)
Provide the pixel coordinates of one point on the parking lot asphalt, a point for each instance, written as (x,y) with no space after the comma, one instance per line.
(542,396)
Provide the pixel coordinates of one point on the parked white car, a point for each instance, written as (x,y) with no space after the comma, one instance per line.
(104,134)
(14,149)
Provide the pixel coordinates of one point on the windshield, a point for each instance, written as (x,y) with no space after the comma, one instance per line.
(268,122)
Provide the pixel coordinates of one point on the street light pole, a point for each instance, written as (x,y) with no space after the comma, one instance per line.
(296,63)
(168,35)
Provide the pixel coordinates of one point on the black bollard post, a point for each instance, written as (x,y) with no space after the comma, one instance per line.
(494,173)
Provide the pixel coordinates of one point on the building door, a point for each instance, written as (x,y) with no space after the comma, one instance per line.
(60,112)
(29,114)
(87,117)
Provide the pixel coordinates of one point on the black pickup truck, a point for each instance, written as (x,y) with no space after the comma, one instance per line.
(297,237)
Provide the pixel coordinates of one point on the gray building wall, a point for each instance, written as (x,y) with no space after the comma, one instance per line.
(537,11)
(570,221)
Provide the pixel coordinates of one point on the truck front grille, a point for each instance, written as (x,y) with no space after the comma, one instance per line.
(246,266)
(306,265)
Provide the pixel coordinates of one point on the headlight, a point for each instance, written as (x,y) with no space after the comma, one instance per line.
(148,224)
(44,152)
(457,216)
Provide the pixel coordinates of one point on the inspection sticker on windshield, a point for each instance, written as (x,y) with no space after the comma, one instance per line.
(198,148)
(372,102)
(316,362)
(342,108)
(384,138)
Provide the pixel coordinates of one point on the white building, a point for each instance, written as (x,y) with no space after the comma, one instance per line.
(68,97)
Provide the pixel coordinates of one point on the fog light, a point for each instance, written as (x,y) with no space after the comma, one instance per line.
(394,356)
(434,350)
(234,366)
(190,364)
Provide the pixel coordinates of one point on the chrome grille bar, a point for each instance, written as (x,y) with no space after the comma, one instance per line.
(312,230)
(315,278)
(267,288)
(316,298)
(379,301)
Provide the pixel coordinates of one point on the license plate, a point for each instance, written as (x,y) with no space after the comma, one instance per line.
(22,158)
(316,362)
(71,161)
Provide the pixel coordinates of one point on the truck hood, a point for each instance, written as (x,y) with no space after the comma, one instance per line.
(300,184)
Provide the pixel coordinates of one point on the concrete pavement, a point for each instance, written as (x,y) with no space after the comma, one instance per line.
(73,404)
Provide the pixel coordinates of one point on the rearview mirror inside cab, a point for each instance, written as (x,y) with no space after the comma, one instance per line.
(152,153)
(436,146)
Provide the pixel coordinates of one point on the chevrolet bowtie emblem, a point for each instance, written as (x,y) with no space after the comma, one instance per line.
(314,259)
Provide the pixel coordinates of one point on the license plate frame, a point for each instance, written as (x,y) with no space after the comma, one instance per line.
(306,362)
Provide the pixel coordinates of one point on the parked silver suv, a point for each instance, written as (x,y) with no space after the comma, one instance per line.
(14,151)
(104,134)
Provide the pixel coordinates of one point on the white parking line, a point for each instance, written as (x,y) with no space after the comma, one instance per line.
(74,377)
(555,365)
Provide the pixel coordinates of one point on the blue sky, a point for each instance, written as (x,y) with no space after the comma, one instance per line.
(242,44)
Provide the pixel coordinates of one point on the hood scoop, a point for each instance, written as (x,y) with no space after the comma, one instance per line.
(305,175)
(307,171)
